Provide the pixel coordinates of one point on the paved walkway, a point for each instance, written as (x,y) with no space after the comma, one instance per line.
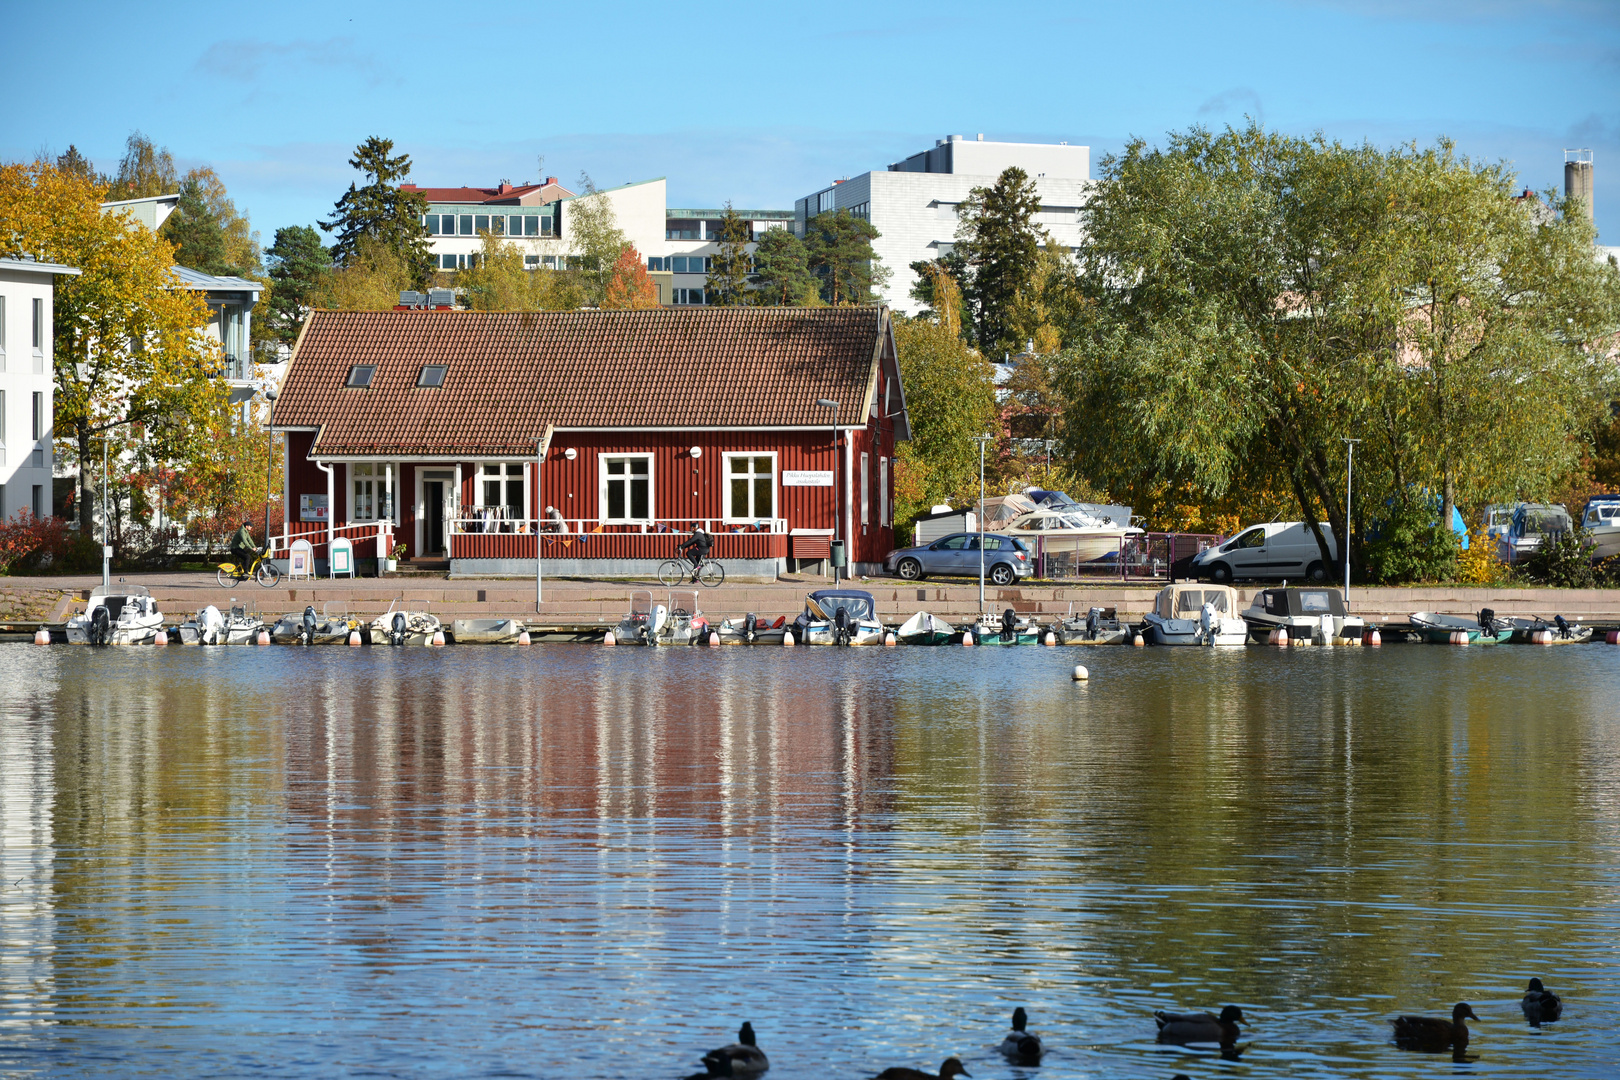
(569,602)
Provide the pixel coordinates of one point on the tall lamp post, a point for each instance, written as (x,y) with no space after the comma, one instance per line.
(981,440)
(829,403)
(1344,541)
(270,395)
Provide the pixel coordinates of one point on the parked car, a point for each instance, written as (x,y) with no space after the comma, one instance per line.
(1276,550)
(1006,558)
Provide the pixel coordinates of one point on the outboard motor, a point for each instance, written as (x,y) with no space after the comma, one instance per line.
(1009,625)
(100,626)
(749,624)
(841,626)
(1094,624)
(307,629)
(1563,626)
(1487,621)
(397,628)
(1206,621)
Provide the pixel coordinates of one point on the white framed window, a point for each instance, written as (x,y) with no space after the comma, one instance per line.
(866,488)
(39,336)
(368,481)
(883,491)
(750,487)
(504,484)
(625,494)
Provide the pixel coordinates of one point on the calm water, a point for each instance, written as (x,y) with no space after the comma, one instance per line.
(583,862)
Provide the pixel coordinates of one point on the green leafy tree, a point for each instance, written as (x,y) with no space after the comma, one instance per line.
(998,240)
(145,170)
(840,256)
(300,273)
(922,290)
(781,276)
(728,268)
(597,242)
(208,233)
(380,214)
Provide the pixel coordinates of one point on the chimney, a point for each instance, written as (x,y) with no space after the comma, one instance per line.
(506,185)
(407,187)
(1578,178)
(981,136)
(551,181)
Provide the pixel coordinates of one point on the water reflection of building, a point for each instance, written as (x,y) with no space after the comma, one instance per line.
(27,856)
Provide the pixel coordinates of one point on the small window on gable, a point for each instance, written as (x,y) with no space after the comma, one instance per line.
(360,375)
(432,375)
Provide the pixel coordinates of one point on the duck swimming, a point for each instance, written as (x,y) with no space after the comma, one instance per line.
(1540,1004)
(1200,1027)
(951,1067)
(1432,1033)
(741,1058)
(1021,1046)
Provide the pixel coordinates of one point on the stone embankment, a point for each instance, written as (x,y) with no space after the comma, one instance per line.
(573,602)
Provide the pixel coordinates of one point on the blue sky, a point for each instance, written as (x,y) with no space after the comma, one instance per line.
(760,104)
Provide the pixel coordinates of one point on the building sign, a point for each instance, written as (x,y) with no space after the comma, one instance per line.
(312,508)
(806,478)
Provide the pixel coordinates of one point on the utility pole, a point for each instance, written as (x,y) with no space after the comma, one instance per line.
(981,440)
(1344,541)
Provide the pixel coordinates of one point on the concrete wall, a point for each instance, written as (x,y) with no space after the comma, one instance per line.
(753,570)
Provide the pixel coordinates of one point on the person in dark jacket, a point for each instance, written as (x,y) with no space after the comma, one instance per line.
(243,549)
(696,547)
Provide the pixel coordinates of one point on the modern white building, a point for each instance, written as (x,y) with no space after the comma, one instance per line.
(677,244)
(913,203)
(26,384)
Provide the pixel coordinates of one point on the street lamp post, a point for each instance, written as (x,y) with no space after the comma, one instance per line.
(981,440)
(1344,541)
(106,552)
(828,403)
(270,395)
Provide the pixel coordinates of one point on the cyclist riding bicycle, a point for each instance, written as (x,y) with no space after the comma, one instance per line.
(243,549)
(696,547)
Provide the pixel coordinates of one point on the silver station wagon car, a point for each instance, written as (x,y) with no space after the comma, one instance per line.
(1006,558)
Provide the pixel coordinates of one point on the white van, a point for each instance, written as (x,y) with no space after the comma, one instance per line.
(1280,549)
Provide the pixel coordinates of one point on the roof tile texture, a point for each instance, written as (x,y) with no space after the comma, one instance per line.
(513,373)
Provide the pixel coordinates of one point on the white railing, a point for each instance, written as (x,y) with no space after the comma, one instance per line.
(317,534)
(494,520)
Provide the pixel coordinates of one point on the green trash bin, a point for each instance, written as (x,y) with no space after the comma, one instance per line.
(839,559)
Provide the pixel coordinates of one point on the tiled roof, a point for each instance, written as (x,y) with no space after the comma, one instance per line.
(513,373)
(493,195)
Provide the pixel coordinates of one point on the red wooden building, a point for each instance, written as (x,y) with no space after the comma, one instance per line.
(428,429)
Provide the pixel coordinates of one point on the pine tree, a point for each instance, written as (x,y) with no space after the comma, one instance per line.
(781,274)
(728,268)
(1001,244)
(841,256)
(381,213)
(300,268)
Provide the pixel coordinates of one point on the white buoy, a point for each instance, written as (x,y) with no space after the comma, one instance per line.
(609,639)
(523,637)
(1080,673)
(161,638)
(889,638)
(787,640)
(264,636)
(438,638)
(42,636)
(1049,639)
(1136,641)
(714,639)
(354,638)
(1459,637)
(967,638)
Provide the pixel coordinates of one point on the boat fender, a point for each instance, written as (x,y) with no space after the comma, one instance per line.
(160,638)
(967,637)
(42,636)
(1136,640)
(888,637)
(1459,637)
(1080,673)
(523,637)
(607,638)
(714,639)
(397,629)
(787,639)
(263,636)
(1372,637)
(438,638)
(1049,639)
(354,638)
(1612,637)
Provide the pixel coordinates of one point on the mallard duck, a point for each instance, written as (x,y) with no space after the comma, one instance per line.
(1432,1033)
(741,1058)
(1200,1027)
(951,1067)
(1021,1045)
(1540,1003)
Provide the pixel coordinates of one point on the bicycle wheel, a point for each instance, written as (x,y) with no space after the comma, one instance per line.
(712,575)
(267,575)
(672,572)
(226,581)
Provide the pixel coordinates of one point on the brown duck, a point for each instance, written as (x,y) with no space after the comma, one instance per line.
(1432,1033)
(951,1067)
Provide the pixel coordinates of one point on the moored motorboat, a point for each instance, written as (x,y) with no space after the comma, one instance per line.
(399,626)
(331,627)
(485,631)
(1009,629)
(1098,626)
(753,629)
(1194,614)
(124,615)
(1538,631)
(924,629)
(1483,629)
(678,621)
(209,627)
(838,617)
(1309,614)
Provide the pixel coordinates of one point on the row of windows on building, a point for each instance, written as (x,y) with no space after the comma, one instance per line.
(625,489)
(37,334)
(39,426)
(679,264)
(496,224)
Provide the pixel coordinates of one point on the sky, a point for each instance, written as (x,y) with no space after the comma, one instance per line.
(761,104)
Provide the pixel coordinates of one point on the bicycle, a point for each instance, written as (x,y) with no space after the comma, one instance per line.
(261,569)
(708,573)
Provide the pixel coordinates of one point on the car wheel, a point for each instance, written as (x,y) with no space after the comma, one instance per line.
(1220,574)
(910,569)
(1316,572)
(1002,574)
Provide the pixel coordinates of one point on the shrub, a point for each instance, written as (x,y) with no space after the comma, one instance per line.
(1411,546)
(1479,564)
(1563,561)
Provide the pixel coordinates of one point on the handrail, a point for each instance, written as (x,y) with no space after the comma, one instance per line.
(496,524)
(317,535)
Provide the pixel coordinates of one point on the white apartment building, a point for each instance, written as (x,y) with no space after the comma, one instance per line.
(913,204)
(26,384)
(676,243)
